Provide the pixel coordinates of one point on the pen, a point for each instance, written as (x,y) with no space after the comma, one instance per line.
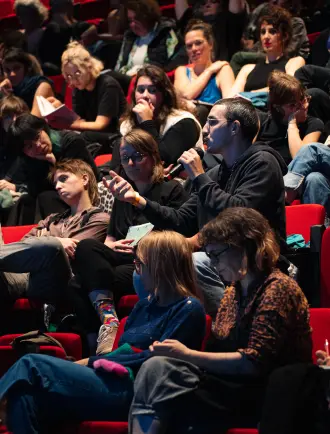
(326,347)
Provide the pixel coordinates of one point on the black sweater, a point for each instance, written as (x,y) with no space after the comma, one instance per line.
(254,181)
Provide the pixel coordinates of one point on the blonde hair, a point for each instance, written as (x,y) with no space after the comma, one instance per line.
(144,143)
(78,168)
(77,55)
(167,256)
(33,4)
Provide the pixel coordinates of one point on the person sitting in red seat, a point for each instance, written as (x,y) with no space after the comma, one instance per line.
(262,323)
(41,390)
(39,264)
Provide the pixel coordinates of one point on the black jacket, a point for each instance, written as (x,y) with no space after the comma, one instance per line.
(157,49)
(254,181)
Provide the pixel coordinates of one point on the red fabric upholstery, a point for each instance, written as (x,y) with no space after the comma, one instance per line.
(59,84)
(70,341)
(320,323)
(325,269)
(312,37)
(119,332)
(296,202)
(171,75)
(11,234)
(6,8)
(126,304)
(122,428)
(300,218)
(68,97)
(8,356)
(130,90)
(102,159)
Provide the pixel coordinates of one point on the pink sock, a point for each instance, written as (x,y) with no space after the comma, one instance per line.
(109,366)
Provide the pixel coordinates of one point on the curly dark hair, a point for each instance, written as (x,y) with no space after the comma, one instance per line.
(146,11)
(280,19)
(164,86)
(247,230)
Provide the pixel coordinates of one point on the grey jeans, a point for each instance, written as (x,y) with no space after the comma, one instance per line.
(37,267)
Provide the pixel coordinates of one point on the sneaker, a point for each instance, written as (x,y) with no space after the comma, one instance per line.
(107,335)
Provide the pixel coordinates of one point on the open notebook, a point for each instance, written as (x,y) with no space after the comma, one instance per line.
(62,113)
(136,233)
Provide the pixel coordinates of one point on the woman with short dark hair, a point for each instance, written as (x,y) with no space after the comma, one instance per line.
(275,31)
(262,323)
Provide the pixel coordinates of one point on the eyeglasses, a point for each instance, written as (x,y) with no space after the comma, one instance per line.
(138,265)
(76,75)
(136,158)
(152,89)
(214,255)
(214,121)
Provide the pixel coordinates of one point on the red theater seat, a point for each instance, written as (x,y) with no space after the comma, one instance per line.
(102,159)
(325,269)
(320,323)
(11,234)
(300,219)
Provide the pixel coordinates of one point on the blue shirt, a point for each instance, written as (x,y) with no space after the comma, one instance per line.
(211,92)
(183,320)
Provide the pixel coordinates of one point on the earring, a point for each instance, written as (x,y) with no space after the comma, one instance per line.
(242,272)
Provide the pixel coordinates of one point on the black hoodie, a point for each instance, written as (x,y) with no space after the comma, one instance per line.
(254,181)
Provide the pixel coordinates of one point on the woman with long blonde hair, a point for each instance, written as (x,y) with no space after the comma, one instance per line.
(97,97)
(104,390)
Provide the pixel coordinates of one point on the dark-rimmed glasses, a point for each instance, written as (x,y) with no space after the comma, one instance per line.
(215,255)
(137,157)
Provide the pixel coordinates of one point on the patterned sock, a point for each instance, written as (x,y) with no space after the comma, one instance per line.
(106,311)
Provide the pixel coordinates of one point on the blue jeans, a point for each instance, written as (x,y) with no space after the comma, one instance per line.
(43,390)
(312,165)
(208,279)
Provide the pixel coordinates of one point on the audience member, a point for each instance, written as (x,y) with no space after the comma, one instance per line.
(262,323)
(150,39)
(275,32)
(97,97)
(320,55)
(105,390)
(287,127)
(23,80)
(250,175)
(10,107)
(104,271)
(157,109)
(39,148)
(32,14)
(38,266)
(60,30)
(317,80)
(227,20)
(203,80)
(299,44)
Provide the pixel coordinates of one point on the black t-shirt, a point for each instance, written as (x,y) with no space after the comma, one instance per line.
(275,133)
(125,214)
(106,99)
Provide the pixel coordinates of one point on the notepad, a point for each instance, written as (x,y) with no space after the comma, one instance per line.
(136,233)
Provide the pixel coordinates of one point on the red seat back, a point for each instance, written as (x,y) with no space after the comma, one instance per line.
(120,331)
(102,159)
(320,323)
(300,218)
(312,37)
(325,269)
(70,342)
(12,234)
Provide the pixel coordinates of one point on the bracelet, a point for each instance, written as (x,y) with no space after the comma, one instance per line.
(136,199)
